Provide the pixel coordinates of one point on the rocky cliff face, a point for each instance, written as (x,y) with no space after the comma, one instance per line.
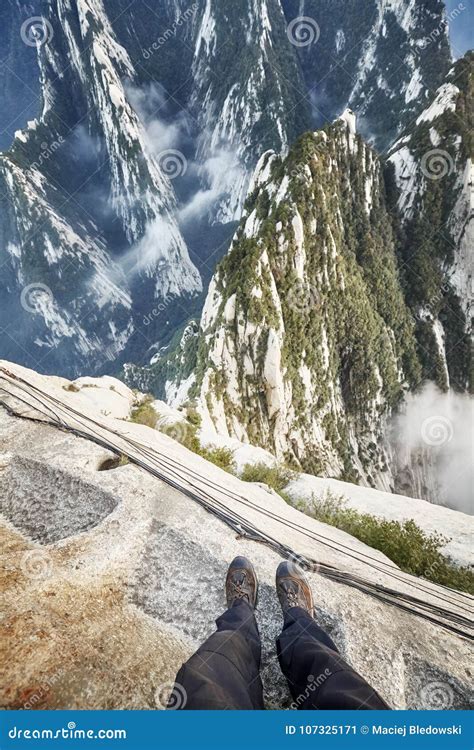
(87,222)
(19,72)
(382,58)
(91,233)
(306,340)
(265,371)
(256,102)
(257,74)
(433,171)
(235,73)
(432,166)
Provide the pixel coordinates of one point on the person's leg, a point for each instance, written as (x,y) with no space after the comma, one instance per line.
(318,676)
(224,671)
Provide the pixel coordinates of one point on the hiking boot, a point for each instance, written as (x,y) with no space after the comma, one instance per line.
(241,582)
(293,588)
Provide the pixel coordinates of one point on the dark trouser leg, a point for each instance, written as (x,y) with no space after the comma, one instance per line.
(224,671)
(317,675)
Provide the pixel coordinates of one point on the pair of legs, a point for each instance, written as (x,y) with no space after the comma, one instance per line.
(224,673)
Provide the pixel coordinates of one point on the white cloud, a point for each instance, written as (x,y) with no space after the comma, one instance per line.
(214,175)
(152,251)
(434,436)
(161,132)
(207,182)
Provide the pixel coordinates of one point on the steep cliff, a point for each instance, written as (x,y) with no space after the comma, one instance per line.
(88,232)
(433,172)
(107,239)
(306,341)
(382,58)
(232,68)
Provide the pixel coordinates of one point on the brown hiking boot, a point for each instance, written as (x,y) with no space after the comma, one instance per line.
(293,588)
(241,582)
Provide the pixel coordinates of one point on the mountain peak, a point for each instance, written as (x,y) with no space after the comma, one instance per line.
(350,118)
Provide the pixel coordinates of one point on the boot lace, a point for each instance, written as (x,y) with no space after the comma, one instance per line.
(239,590)
(292,598)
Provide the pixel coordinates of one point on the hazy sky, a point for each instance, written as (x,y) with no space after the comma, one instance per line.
(461,25)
